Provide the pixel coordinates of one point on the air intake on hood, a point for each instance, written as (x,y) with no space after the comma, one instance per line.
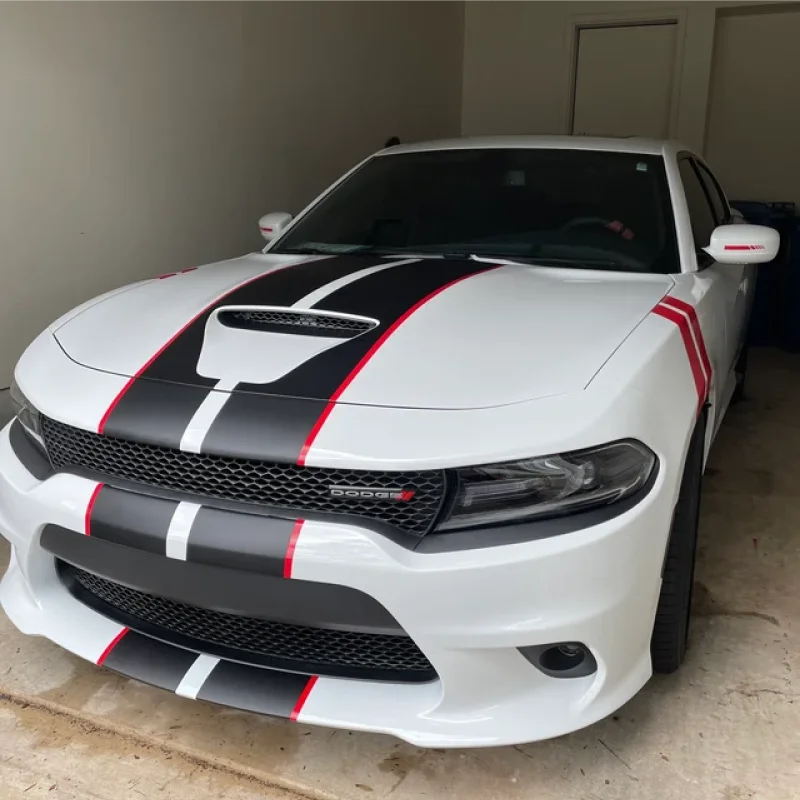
(297,323)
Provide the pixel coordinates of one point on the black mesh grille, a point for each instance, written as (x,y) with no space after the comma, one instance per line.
(259,482)
(298,323)
(257,641)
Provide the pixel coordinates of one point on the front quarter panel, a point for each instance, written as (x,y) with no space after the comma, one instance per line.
(62,389)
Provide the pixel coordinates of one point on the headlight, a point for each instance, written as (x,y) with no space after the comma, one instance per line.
(549,486)
(26,413)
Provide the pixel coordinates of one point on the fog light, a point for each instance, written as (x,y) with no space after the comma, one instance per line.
(562,659)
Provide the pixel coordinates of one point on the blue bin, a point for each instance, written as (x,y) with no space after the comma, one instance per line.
(790,294)
(768,320)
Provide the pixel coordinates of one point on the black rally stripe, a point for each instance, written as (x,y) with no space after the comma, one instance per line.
(262,427)
(269,421)
(240,541)
(132,520)
(159,404)
(149,660)
(254,689)
(155,412)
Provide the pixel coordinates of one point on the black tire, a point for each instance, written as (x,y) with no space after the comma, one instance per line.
(740,370)
(671,628)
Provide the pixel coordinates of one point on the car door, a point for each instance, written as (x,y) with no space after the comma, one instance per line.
(722,281)
(744,276)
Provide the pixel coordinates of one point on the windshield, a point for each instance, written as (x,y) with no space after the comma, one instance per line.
(580,208)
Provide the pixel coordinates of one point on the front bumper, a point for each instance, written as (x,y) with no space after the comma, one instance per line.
(469,612)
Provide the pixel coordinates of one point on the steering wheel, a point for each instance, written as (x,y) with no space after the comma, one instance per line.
(615,226)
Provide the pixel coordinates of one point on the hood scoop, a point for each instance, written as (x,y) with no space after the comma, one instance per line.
(261,344)
(295,323)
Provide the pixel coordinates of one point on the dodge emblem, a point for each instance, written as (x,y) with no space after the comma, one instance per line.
(378,493)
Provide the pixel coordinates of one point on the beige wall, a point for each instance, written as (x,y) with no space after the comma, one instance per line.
(138,138)
(518,68)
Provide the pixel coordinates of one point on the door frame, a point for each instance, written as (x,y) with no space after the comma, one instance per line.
(625,19)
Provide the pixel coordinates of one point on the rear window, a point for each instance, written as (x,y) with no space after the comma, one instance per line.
(579,207)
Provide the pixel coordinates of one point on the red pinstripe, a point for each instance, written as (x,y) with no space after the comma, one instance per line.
(301,459)
(701,384)
(301,701)
(87,517)
(114,642)
(698,333)
(288,559)
(101,426)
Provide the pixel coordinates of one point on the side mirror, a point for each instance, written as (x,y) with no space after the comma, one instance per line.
(743,244)
(272,225)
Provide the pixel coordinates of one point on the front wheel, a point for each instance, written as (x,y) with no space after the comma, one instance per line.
(671,628)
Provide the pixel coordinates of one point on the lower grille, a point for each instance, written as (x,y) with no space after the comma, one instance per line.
(259,482)
(352,654)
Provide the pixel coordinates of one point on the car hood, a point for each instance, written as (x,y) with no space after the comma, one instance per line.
(413,333)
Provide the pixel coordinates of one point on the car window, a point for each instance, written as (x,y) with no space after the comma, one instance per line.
(718,201)
(570,207)
(700,210)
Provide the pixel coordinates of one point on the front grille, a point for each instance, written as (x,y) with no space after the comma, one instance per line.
(272,644)
(257,482)
(297,323)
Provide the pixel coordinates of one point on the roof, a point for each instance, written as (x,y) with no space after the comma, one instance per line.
(615,144)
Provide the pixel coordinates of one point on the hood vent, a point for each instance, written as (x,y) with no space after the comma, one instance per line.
(296,323)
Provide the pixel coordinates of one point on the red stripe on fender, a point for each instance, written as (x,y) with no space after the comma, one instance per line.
(301,701)
(691,351)
(301,459)
(87,517)
(115,402)
(288,559)
(698,333)
(114,642)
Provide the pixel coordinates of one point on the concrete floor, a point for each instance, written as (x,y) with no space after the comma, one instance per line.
(727,727)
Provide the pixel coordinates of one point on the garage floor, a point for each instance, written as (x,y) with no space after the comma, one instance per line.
(726,727)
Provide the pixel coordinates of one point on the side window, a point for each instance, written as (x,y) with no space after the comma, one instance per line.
(721,208)
(700,212)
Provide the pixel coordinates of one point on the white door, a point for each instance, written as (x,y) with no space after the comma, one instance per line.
(624,80)
(725,288)
(753,116)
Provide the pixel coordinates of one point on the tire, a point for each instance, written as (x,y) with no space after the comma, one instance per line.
(671,628)
(740,370)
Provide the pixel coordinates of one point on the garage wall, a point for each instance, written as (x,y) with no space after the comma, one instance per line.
(138,138)
(518,75)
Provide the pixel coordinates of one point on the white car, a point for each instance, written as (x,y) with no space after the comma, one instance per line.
(428,465)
